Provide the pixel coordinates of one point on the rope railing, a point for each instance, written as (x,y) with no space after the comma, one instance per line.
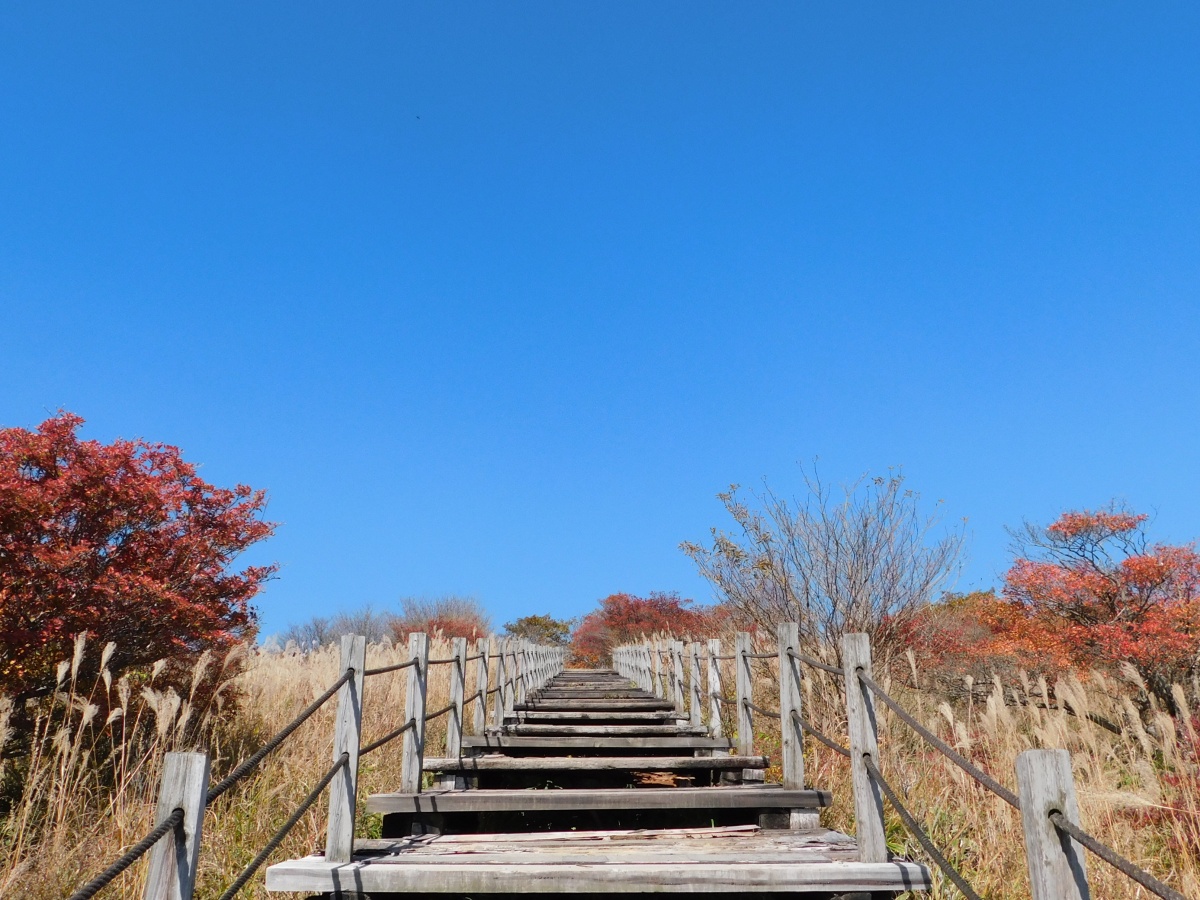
(246,767)
(277,839)
(395,667)
(1038,771)
(185,775)
(387,738)
(136,852)
(822,738)
(1114,859)
(949,752)
(918,832)
(429,717)
(816,663)
(761,711)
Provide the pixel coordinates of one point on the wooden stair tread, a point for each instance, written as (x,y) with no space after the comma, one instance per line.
(768,797)
(500,763)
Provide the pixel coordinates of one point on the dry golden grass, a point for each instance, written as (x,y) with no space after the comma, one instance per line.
(1139,789)
(89,786)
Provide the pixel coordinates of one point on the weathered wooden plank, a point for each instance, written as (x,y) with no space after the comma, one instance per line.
(595,729)
(497,763)
(184,784)
(860,716)
(347,735)
(615,742)
(414,710)
(596,716)
(1057,869)
(757,797)
(316,874)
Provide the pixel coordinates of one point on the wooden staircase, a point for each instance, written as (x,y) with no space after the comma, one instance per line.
(592,785)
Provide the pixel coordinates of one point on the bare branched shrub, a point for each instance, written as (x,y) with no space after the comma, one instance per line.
(861,558)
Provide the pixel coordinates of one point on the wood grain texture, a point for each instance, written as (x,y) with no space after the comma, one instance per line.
(789,702)
(480,707)
(715,725)
(347,735)
(1057,869)
(498,763)
(172,871)
(860,715)
(414,709)
(757,797)
(695,686)
(744,691)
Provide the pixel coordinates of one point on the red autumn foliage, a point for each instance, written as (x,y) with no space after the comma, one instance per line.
(449,615)
(120,540)
(1088,591)
(623,617)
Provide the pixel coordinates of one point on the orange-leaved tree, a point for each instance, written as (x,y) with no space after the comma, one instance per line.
(624,617)
(1090,590)
(123,541)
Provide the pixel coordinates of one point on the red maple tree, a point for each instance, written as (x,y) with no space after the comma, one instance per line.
(624,617)
(1090,590)
(120,540)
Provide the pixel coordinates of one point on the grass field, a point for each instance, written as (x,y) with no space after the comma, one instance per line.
(84,792)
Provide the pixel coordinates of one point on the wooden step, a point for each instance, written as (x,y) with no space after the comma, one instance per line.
(601,742)
(596,729)
(763,798)
(501,763)
(594,716)
(649,703)
(693,860)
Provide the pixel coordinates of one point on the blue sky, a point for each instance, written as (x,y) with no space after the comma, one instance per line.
(494,298)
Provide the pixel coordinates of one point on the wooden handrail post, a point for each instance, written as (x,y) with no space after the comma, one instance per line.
(864,741)
(715,726)
(744,685)
(695,705)
(412,761)
(501,680)
(343,790)
(458,690)
(481,685)
(677,674)
(657,662)
(789,703)
(184,784)
(1056,861)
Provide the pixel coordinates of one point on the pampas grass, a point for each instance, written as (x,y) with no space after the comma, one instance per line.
(87,787)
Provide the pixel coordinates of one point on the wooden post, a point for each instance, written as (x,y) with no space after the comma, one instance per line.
(715,726)
(789,702)
(860,716)
(184,784)
(677,674)
(481,685)
(413,759)
(695,707)
(744,684)
(502,704)
(1056,861)
(343,790)
(458,690)
(657,662)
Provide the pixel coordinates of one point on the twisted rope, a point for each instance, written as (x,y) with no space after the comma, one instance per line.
(919,833)
(761,711)
(396,667)
(827,741)
(136,852)
(390,736)
(248,765)
(949,752)
(816,663)
(1110,856)
(277,839)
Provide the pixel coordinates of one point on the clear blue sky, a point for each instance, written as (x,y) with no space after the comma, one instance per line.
(494,298)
